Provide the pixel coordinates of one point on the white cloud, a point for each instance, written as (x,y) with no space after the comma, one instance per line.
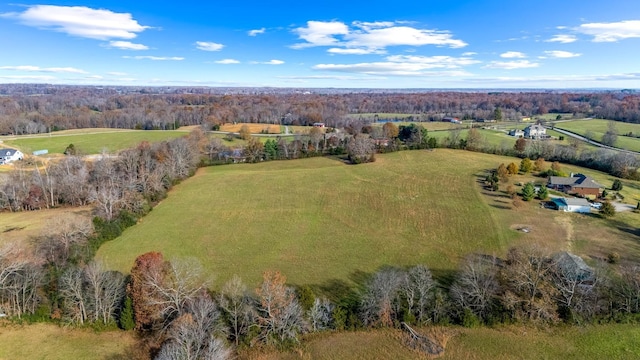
(227,61)
(406,65)
(208,46)
(343,51)
(156,58)
(563,38)
(370,37)
(30,68)
(513,55)
(127,45)
(611,32)
(117,73)
(28,78)
(270,62)
(510,65)
(320,33)
(80,21)
(561,54)
(256,32)
(469,53)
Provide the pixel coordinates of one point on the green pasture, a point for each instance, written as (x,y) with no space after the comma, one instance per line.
(323,222)
(599,127)
(90,142)
(319,220)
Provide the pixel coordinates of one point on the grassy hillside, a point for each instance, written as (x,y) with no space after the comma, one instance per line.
(599,127)
(51,342)
(323,222)
(319,220)
(90,142)
(591,342)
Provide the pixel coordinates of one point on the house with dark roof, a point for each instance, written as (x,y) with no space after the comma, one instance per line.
(9,155)
(577,184)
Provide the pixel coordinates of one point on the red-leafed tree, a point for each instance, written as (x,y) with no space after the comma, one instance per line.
(146,313)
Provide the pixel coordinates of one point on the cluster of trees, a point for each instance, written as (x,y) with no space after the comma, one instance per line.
(155,108)
(130,181)
(169,305)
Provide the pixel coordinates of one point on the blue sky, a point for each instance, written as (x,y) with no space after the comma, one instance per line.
(345,44)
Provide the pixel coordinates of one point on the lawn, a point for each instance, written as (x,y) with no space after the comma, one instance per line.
(510,342)
(52,342)
(90,142)
(598,127)
(319,220)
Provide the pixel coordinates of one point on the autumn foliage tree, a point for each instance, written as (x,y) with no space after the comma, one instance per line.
(280,316)
(146,265)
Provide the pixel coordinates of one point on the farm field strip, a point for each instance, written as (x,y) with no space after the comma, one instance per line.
(94,142)
(599,128)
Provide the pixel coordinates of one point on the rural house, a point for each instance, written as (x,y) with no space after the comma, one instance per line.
(578,205)
(536,131)
(9,155)
(516,132)
(577,184)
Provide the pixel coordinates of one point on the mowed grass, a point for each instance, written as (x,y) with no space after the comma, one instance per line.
(88,142)
(51,342)
(599,127)
(617,341)
(319,220)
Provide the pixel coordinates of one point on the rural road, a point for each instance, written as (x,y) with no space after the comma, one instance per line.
(582,138)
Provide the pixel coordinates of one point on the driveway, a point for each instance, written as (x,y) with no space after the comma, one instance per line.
(620,207)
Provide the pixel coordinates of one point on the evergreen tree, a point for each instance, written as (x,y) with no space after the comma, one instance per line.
(543,193)
(607,210)
(528,192)
(617,185)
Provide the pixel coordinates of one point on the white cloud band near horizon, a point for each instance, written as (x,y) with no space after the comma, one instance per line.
(30,68)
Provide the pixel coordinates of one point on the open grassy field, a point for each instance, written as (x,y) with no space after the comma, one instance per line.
(323,222)
(381,116)
(320,220)
(90,142)
(511,342)
(253,128)
(52,342)
(429,125)
(19,227)
(598,127)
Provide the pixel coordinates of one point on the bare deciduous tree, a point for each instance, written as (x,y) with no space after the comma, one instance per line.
(381,301)
(279,313)
(476,286)
(237,305)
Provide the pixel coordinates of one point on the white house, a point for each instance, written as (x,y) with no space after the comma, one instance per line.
(536,131)
(578,205)
(516,132)
(9,155)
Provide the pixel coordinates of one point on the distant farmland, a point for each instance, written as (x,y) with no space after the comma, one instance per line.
(93,142)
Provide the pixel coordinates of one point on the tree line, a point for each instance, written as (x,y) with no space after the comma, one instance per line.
(71,107)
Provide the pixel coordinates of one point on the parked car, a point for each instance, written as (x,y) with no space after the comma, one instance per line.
(596,205)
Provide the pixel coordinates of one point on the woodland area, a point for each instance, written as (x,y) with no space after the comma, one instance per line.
(29,109)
